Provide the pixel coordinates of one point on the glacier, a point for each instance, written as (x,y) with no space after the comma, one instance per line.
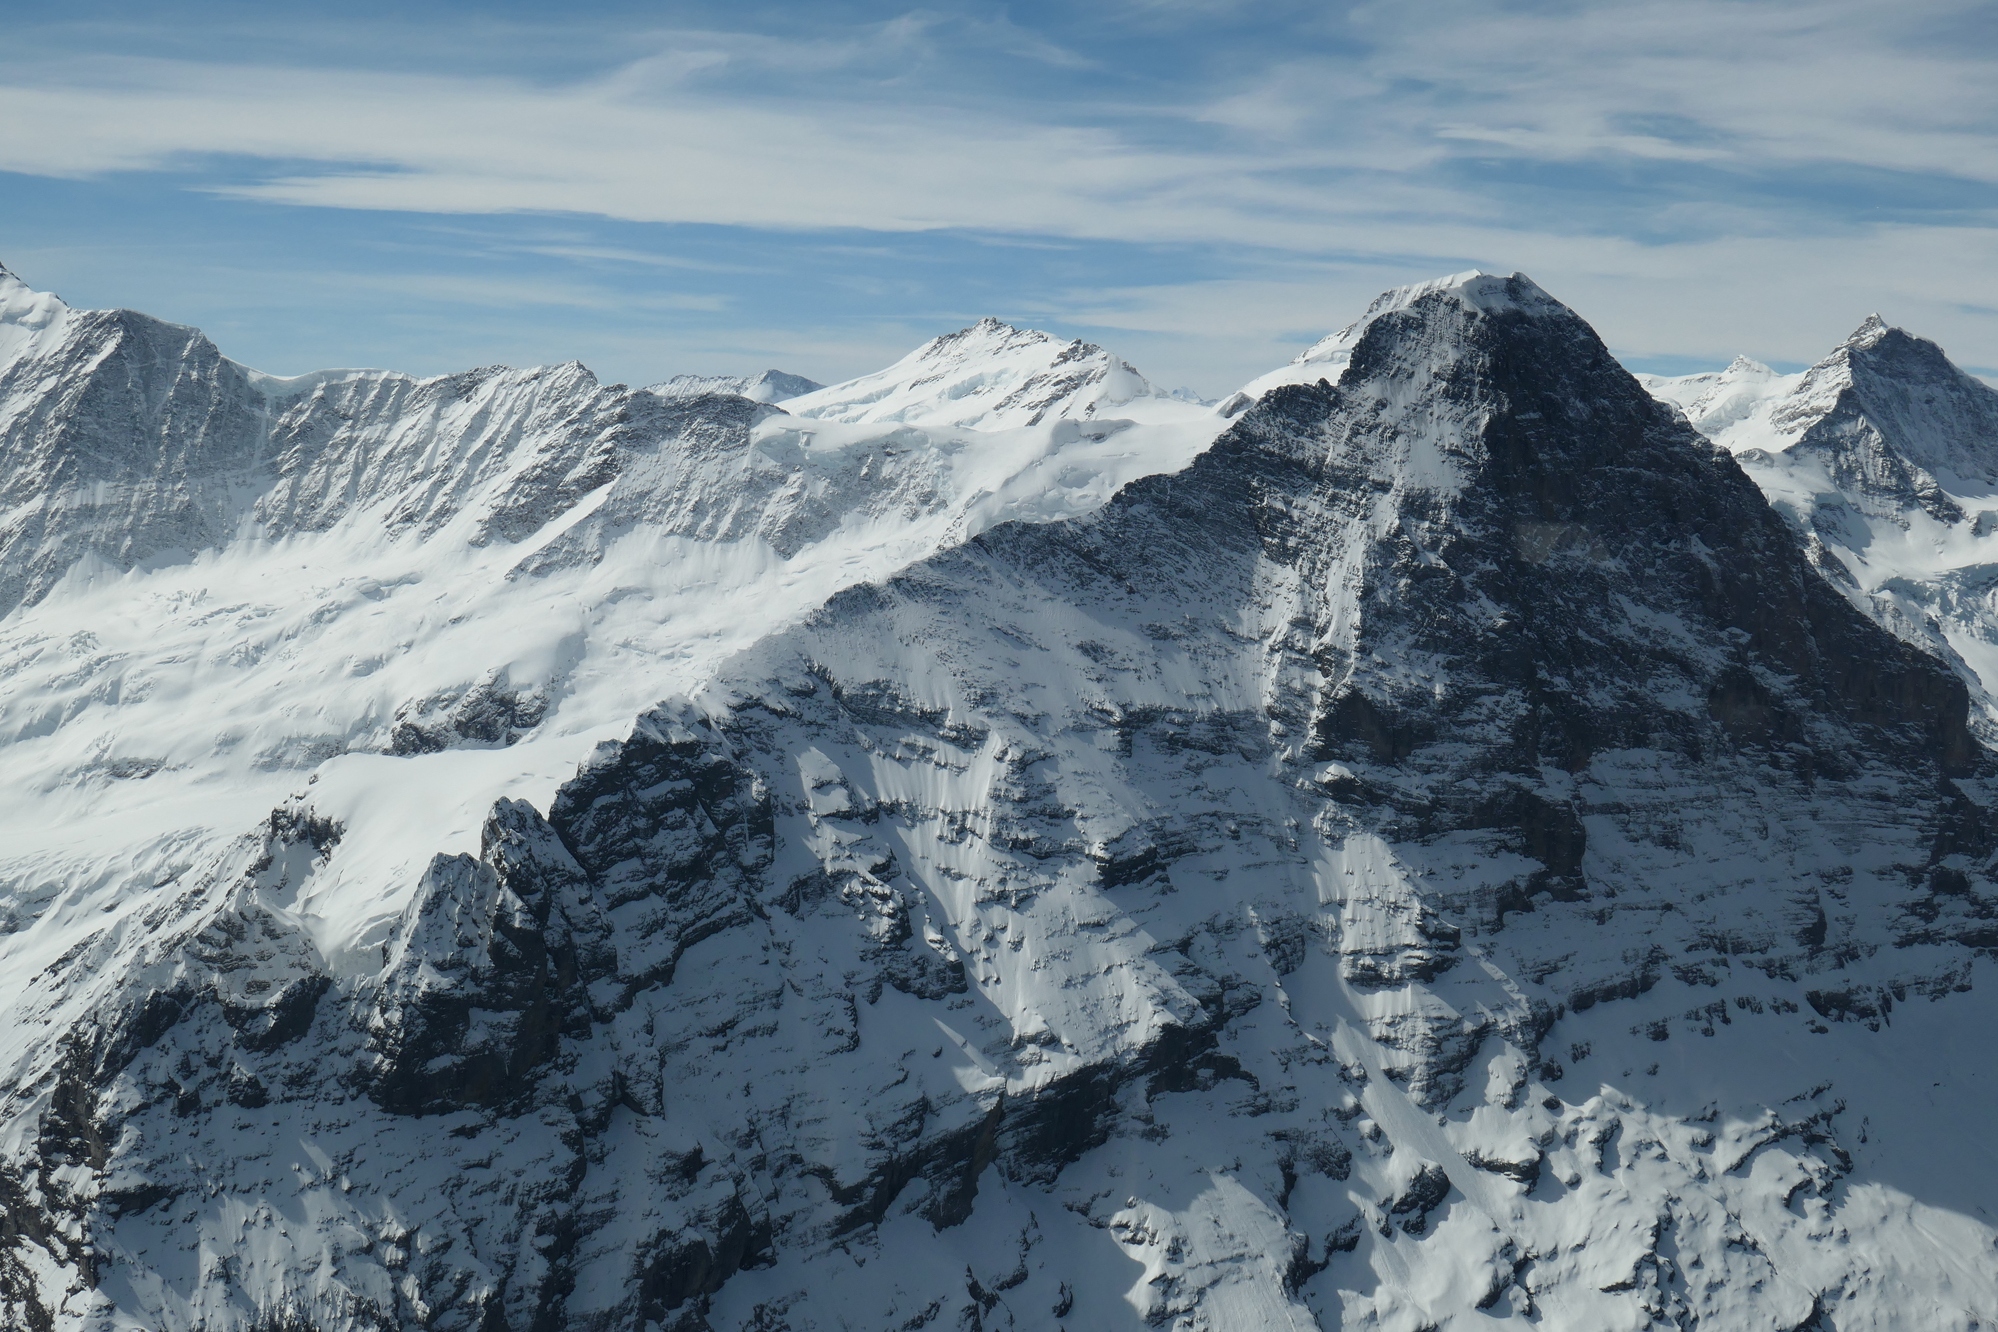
(1455,835)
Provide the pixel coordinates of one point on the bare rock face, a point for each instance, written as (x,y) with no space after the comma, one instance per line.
(490,965)
(1445,854)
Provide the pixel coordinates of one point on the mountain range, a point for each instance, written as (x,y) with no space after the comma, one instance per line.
(1455,833)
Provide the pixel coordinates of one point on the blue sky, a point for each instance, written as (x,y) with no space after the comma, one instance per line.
(1202,185)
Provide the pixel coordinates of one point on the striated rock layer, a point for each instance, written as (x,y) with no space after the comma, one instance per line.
(1444,857)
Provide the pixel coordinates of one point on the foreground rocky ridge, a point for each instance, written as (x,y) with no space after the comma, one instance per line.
(1443,857)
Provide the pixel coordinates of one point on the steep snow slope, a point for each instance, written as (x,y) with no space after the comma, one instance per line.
(1441,858)
(1884,457)
(995,376)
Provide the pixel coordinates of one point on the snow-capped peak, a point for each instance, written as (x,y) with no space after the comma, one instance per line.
(25,315)
(1903,392)
(1715,400)
(991,376)
(1871,329)
(769,386)
(1327,358)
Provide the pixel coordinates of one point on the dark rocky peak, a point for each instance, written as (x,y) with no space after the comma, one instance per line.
(1894,420)
(1508,547)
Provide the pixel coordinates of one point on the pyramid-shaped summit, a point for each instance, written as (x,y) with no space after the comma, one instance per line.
(1894,419)
(1486,451)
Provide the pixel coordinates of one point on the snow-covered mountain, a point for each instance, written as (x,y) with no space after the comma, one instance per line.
(1717,401)
(766,386)
(1884,457)
(1440,854)
(1326,360)
(223,582)
(995,376)
(412,597)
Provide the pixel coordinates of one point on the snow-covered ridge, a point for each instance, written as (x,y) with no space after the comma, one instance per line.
(765,386)
(479,574)
(995,376)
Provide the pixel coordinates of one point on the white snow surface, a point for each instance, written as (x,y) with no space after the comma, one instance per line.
(994,376)
(29,319)
(764,386)
(1730,406)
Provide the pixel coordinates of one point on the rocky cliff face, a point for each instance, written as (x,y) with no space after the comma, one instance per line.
(1443,856)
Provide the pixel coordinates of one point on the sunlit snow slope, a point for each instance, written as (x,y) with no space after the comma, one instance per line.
(418,594)
(767,386)
(994,376)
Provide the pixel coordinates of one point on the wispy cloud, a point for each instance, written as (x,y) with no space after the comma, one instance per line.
(746,130)
(1697,168)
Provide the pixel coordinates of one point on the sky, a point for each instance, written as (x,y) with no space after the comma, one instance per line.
(1203,186)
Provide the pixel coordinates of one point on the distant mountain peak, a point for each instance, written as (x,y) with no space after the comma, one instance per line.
(1894,418)
(767,386)
(992,375)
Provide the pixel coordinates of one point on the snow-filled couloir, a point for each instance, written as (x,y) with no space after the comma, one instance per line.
(1443,856)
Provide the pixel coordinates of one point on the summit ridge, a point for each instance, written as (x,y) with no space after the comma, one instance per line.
(992,375)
